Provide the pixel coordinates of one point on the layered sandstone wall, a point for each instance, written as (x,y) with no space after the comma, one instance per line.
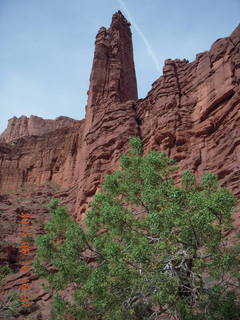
(111,109)
(113,77)
(192,113)
(33,126)
(50,157)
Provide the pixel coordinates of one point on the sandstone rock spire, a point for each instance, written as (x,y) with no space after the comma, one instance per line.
(192,113)
(113,76)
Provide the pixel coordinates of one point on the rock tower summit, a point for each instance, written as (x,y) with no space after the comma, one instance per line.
(113,77)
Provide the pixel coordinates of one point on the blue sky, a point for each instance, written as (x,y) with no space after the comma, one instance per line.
(47,46)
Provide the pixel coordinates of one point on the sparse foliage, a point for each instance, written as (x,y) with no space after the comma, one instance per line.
(9,306)
(4,271)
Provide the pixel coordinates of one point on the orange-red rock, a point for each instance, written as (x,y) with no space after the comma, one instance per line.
(33,126)
(192,113)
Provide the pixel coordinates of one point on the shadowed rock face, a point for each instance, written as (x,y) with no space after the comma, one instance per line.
(192,113)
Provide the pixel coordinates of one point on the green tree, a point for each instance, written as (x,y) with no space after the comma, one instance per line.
(149,248)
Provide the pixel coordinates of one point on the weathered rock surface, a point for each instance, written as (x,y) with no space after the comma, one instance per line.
(192,113)
(30,200)
(110,114)
(113,76)
(40,159)
(33,126)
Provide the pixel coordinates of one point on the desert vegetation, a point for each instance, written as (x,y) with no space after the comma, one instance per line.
(149,248)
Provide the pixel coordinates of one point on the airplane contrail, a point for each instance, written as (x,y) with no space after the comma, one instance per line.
(149,48)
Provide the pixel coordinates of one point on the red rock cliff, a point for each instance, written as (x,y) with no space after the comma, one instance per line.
(192,112)
(33,126)
(110,113)
(113,73)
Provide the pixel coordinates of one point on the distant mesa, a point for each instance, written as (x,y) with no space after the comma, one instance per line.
(34,125)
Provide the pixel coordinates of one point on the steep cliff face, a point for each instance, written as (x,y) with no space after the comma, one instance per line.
(35,151)
(192,113)
(33,126)
(113,76)
(40,158)
(76,154)
(110,114)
